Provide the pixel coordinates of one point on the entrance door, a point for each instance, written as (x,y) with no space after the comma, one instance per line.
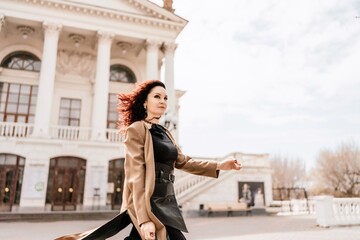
(116,182)
(66,183)
(11,173)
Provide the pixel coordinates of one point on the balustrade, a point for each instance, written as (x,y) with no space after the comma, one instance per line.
(18,130)
(294,206)
(332,211)
(69,133)
(113,135)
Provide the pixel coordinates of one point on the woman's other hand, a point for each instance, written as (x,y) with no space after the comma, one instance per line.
(148,230)
(228,164)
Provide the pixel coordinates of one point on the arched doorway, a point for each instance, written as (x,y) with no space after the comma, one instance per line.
(11,175)
(115,183)
(66,181)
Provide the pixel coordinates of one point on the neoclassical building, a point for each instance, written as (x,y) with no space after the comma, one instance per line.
(61,65)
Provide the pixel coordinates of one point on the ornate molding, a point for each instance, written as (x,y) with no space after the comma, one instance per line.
(77,39)
(160,21)
(145,9)
(25,31)
(76,63)
(125,47)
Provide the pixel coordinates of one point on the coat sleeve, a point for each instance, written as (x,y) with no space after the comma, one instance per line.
(197,167)
(135,171)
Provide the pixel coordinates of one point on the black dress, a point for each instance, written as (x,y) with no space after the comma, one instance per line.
(163,201)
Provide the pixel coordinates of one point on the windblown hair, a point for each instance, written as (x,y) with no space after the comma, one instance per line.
(131,105)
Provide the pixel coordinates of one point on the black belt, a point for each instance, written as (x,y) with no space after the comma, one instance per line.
(164,172)
(161,175)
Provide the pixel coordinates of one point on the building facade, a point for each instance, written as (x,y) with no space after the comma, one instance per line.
(62,63)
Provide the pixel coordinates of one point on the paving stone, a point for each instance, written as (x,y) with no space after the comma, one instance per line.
(201,228)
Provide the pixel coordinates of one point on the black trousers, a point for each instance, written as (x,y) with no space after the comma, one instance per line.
(172,234)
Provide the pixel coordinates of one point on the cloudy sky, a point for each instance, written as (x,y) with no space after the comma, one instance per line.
(268,76)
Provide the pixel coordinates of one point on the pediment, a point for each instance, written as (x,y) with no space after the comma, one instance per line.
(144,8)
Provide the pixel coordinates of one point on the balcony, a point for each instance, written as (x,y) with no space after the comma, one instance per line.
(24,130)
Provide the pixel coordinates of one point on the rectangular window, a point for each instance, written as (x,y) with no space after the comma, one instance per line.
(17,102)
(112,116)
(69,114)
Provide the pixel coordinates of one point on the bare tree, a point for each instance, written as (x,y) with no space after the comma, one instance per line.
(338,172)
(287,172)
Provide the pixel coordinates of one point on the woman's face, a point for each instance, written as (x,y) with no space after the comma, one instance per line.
(156,102)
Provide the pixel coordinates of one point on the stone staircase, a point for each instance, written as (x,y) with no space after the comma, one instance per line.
(188,186)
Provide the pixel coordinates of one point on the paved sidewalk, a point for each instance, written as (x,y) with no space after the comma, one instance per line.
(204,228)
(329,235)
(268,228)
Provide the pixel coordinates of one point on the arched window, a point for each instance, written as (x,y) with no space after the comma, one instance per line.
(22,61)
(121,73)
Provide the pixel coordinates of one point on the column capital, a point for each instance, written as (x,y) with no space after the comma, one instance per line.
(152,44)
(169,47)
(105,36)
(53,28)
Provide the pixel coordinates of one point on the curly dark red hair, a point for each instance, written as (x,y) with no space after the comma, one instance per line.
(131,105)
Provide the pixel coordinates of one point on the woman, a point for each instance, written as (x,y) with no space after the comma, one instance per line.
(150,158)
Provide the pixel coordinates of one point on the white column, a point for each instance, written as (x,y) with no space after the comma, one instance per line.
(152,58)
(169,50)
(47,80)
(171,115)
(101,88)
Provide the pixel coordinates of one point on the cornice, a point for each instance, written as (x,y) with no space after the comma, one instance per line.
(146,9)
(155,19)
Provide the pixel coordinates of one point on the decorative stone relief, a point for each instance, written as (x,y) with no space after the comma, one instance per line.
(25,31)
(125,47)
(75,63)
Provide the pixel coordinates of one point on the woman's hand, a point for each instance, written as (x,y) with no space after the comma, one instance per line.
(228,164)
(148,230)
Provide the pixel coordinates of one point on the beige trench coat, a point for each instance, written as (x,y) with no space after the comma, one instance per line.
(140,175)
